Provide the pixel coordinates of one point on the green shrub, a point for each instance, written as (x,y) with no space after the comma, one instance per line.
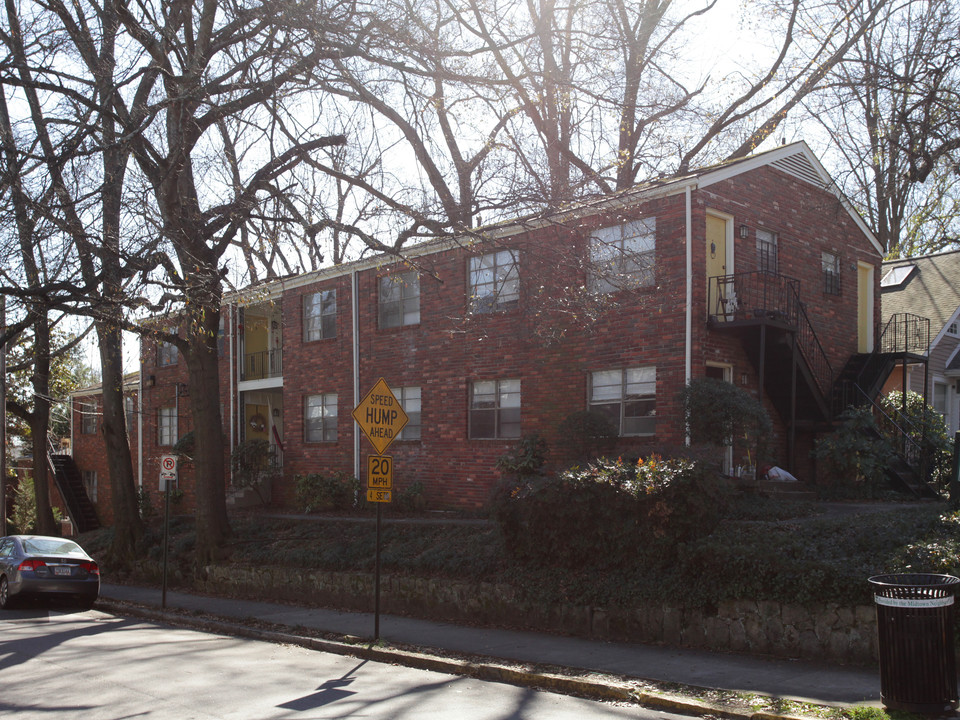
(144,505)
(608,512)
(854,456)
(939,553)
(252,463)
(185,447)
(720,413)
(411,497)
(586,435)
(925,426)
(338,492)
(24,517)
(526,459)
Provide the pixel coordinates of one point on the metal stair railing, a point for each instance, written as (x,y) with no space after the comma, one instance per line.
(901,432)
(760,295)
(262,365)
(902,333)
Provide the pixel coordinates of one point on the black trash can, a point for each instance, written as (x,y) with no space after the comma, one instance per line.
(918,669)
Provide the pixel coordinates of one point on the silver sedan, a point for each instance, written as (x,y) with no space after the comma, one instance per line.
(41,566)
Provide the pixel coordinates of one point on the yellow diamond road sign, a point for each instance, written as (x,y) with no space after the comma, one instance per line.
(380,416)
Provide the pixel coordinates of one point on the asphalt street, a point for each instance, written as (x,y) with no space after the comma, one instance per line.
(60,663)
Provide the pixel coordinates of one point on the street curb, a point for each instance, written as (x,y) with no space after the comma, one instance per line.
(609,688)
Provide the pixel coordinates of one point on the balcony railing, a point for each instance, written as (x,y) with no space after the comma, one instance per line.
(262,365)
(904,333)
(766,297)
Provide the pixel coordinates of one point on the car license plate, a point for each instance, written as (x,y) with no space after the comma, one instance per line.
(61,570)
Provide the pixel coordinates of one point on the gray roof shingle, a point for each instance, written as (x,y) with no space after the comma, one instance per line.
(931,291)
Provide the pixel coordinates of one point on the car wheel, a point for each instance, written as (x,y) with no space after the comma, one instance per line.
(4,593)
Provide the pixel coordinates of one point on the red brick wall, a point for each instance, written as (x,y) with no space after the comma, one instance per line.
(89,450)
(165,386)
(550,345)
(807,221)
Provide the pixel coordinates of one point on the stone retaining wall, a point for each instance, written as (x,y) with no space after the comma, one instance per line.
(828,632)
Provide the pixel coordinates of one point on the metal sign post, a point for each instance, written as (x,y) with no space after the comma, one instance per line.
(168,476)
(3,417)
(381,418)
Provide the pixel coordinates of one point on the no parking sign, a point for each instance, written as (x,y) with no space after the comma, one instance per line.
(168,470)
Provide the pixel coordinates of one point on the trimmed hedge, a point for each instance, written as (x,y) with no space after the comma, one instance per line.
(609,512)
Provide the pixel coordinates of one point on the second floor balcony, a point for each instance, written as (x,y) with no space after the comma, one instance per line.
(262,365)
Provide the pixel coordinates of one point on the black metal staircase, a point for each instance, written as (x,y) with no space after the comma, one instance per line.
(765,311)
(903,340)
(70,484)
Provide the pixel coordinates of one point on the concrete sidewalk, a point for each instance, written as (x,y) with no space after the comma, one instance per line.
(787,679)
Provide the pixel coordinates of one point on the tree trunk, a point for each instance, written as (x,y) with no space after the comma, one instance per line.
(213,526)
(123,495)
(39,423)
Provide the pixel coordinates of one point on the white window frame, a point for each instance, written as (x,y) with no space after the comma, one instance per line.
(768,251)
(404,309)
(619,394)
(623,257)
(500,399)
(320,412)
(494,281)
(319,315)
(944,407)
(88,418)
(129,413)
(167,426)
(167,354)
(410,398)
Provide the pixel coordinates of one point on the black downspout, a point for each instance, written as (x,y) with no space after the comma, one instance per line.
(792,434)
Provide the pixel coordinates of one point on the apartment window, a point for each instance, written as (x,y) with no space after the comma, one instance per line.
(166,353)
(622,257)
(88,418)
(830,262)
(767,251)
(320,315)
(166,426)
(627,398)
(409,398)
(129,413)
(400,299)
(90,484)
(494,282)
(953,329)
(320,418)
(940,395)
(495,409)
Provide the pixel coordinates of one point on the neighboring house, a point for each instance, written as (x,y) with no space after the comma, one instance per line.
(88,467)
(754,271)
(928,287)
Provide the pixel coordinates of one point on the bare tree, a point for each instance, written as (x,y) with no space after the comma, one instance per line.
(60,164)
(892,114)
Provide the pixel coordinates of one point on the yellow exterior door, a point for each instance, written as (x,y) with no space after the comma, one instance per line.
(864,308)
(716,261)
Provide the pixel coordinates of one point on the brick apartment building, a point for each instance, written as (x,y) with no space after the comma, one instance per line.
(754,271)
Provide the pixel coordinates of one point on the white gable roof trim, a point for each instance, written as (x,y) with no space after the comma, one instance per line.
(946,326)
(796,160)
